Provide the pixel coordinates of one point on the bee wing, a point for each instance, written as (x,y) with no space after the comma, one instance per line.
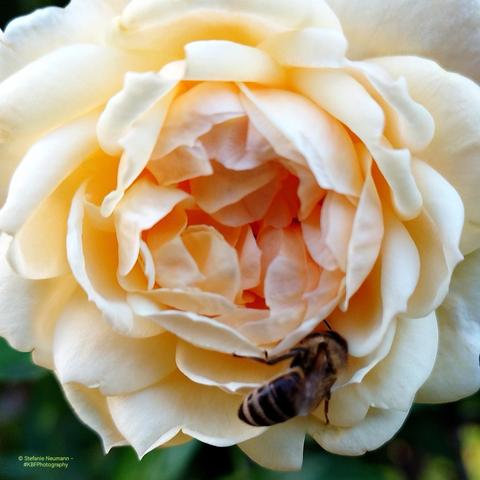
(317,384)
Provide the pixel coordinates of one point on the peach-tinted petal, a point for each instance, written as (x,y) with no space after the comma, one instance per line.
(88,351)
(251,208)
(216,259)
(376,429)
(454,103)
(225,371)
(198,330)
(314,239)
(249,257)
(141,208)
(302,132)
(195,112)
(191,299)
(456,373)
(274,327)
(285,276)
(336,92)
(92,409)
(182,164)
(174,265)
(156,414)
(237,145)
(280,447)
(226,187)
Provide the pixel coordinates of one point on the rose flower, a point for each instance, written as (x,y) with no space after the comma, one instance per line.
(189,183)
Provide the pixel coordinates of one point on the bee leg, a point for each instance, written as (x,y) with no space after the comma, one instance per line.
(325,408)
(290,354)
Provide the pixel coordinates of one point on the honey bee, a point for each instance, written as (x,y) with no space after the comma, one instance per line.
(312,373)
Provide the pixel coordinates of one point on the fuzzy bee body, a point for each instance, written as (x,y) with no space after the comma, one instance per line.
(312,373)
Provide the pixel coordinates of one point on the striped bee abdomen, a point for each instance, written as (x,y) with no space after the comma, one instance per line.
(272,403)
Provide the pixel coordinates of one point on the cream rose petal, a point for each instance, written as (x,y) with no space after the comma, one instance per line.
(222,370)
(154,415)
(23,303)
(280,447)
(393,383)
(92,409)
(371,433)
(92,256)
(126,364)
(365,241)
(45,165)
(31,36)
(407,123)
(33,101)
(144,13)
(310,47)
(220,60)
(456,373)
(385,28)
(454,149)
(384,294)
(132,121)
(336,92)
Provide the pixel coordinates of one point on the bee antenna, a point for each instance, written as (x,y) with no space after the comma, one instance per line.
(328,325)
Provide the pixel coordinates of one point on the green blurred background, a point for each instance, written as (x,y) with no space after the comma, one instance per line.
(438,442)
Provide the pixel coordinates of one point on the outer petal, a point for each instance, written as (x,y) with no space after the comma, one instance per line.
(88,351)
(44,166)
(222,370)
(152,416)
(91,407)
(377,428)
(454,103)
(280,447)
(26,306)
(407,27)
(32,36)
(457,372)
